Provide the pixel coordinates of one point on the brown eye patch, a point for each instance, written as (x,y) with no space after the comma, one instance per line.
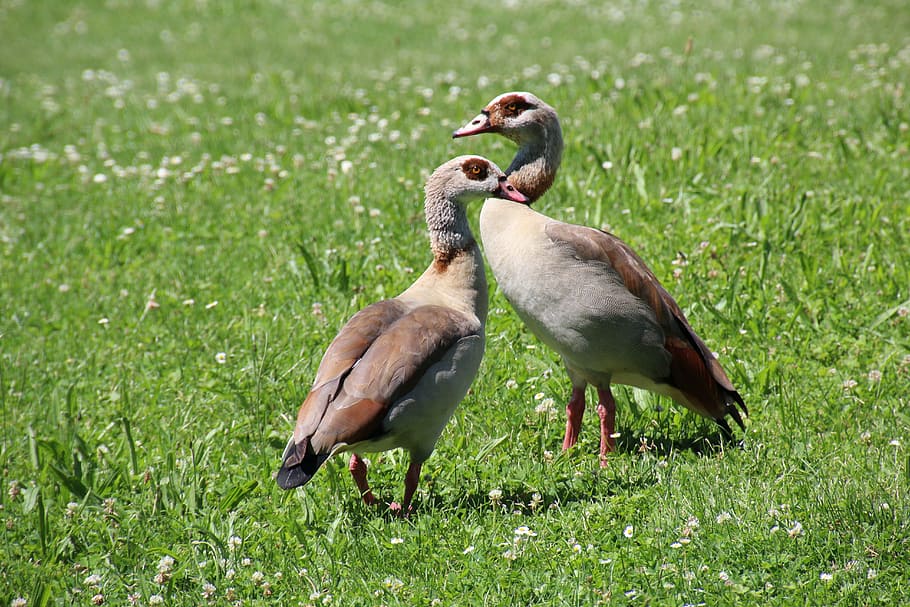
(513,105)
(475,169)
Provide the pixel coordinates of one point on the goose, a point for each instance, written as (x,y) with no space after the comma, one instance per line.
(394,374)
(585,293)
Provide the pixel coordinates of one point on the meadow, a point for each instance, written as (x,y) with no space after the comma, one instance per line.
(195,196)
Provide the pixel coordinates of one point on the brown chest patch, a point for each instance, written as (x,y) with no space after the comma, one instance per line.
(443,259)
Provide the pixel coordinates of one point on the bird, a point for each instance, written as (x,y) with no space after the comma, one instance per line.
(396,371)
(585,293)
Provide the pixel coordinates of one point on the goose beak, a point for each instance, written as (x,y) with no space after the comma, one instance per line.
(480,124)
(507,191)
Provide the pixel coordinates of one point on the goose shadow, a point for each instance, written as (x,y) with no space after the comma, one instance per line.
(712,443)
(591,483)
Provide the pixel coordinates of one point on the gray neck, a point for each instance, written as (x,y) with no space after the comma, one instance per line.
(539,154)
(448,225)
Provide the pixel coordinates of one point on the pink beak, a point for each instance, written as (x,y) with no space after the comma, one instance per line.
(480,124)
(507,191)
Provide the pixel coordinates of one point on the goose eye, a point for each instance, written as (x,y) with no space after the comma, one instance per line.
(475,170)
(512,107)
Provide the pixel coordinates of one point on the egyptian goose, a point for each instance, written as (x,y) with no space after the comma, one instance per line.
(394,374)
(584,292)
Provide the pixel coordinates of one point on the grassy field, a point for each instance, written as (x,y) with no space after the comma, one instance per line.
(195,196)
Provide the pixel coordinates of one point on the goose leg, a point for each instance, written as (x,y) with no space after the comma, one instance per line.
(606,410)
(575,410)
(411,478)
(358,470)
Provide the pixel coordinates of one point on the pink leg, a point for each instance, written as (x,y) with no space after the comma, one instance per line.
(358,470)
(575,410)
(411,478)
(606,410)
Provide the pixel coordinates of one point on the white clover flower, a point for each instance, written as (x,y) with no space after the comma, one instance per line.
(495,495)
(98,599)
(468,550)
(796,529)
(393,583)
(723,517)
(257,577)
(545,407)
(165,564)
(156,599)
(825,576)
(234,542)
(396,540)
(524,531)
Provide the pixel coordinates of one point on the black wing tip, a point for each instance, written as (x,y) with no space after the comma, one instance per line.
(291,477)
(298,468)
(733,411)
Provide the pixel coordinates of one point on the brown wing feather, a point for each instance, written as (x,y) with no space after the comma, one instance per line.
(380,354)
(390,367)
(357,335)
(693,368)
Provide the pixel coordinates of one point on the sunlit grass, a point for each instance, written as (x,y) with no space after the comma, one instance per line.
(194,197)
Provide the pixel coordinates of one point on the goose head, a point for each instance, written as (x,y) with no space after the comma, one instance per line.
(519,116)
(468,178)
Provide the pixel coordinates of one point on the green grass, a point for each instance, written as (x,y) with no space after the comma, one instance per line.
(208,163)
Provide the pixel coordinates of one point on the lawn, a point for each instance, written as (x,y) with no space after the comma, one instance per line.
(195,196)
